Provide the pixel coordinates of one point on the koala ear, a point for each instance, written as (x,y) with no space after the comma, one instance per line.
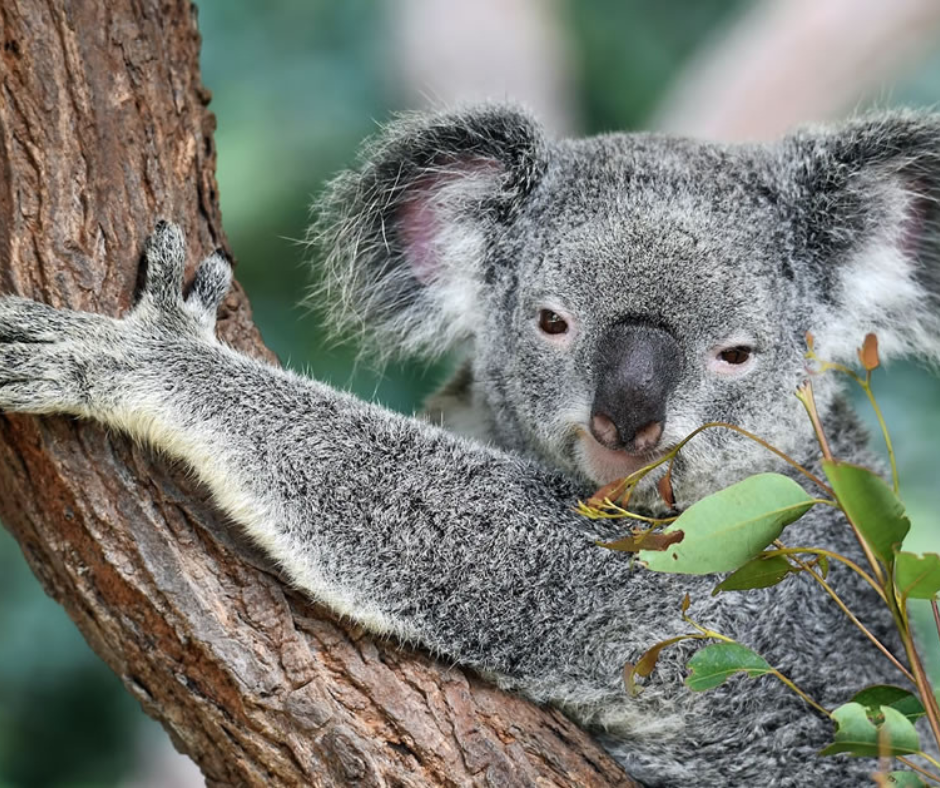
(407,238)
(866,199)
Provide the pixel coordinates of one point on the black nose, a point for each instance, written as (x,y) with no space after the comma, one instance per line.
(637,368)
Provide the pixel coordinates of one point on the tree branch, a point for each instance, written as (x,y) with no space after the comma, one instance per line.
(103,129)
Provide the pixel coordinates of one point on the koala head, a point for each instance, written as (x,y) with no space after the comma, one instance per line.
(614,293)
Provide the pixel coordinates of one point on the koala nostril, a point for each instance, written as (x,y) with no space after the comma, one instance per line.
(605,431)
(647,437)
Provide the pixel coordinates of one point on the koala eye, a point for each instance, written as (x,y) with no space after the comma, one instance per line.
(731,360)
(735,355)
(552,323)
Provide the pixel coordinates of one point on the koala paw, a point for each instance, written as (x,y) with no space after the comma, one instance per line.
(63,361)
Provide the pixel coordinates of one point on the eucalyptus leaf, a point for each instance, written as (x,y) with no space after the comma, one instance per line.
(858,736)
(728,528)
(878,695)
(905,780)
(917,576)
(713,665)
(760,572)
(871,505)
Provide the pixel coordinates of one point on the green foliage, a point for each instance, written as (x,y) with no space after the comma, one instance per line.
(730,527)
(905,780)
(761,572)
(713,665)
(874,697)
(729,530)
(917,576)
(871,505)
(888,732)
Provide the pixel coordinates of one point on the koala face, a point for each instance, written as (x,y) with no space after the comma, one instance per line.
(618,292)
(646,298)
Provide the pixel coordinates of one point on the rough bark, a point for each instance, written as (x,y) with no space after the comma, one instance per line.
(103,128)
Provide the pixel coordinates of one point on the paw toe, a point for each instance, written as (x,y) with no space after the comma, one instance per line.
(166,258)
(213,279)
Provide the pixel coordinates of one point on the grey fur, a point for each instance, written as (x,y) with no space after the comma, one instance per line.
(473,551)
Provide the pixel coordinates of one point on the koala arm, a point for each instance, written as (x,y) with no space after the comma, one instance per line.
(400,526)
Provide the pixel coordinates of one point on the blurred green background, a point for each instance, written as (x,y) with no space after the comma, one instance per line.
(297,84)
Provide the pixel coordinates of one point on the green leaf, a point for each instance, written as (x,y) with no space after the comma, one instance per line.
(871,504)
(858,736)
(726,529)
(713,665)
(760,572)
(917,576)
(906,780)
(874,697)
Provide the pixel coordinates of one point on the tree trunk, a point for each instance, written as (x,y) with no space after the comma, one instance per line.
(103,129)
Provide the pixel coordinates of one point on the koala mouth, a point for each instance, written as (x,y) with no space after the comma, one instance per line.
(602,465)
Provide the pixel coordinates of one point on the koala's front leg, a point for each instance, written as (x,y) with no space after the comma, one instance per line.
(400,526)
(63,361)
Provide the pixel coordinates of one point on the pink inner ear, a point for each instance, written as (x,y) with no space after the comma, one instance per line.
(419,222)
(417,227)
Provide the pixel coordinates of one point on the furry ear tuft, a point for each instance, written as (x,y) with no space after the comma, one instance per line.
(868,197)
(406,238)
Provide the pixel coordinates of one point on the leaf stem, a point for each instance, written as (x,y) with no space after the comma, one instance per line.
(865,385)
(923,686)
(800,692)
(936,614)
(865,631)
(835,557)
(621,512)
(751,436)
(805,395)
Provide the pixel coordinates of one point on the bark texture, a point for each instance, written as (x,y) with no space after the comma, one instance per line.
(104,127)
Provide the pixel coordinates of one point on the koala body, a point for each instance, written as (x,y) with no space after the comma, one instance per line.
(610,295)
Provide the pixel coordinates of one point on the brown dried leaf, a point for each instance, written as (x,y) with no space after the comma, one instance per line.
(646,664)
(868,353)
(645,540)
(686,603)
(665,491)
(608,492)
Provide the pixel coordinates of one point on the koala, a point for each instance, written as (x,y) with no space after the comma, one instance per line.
(610,295)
